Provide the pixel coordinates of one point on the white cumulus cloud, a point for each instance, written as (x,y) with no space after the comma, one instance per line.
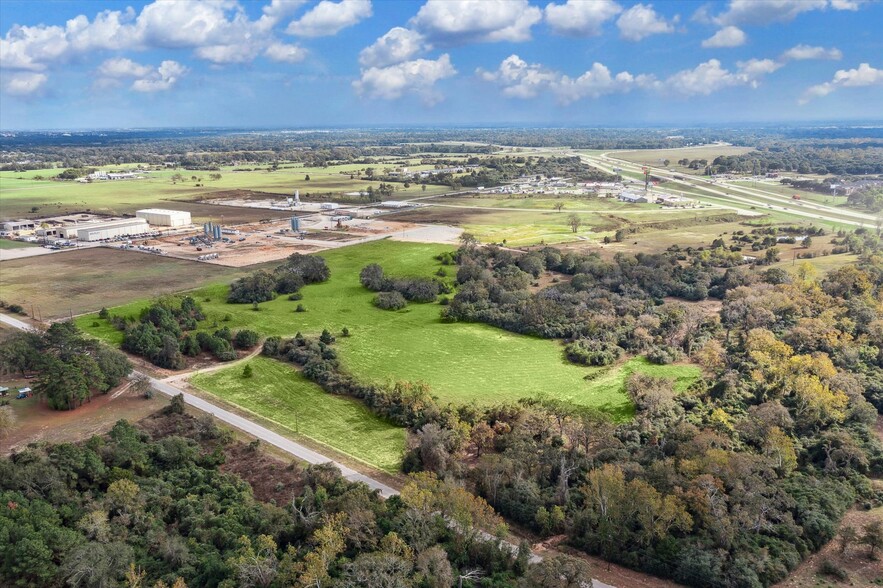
(329,18)
(450,22)
(710,76)
(762,12)
(122,67)
(519,79)
(417,76)
(397,45)
(166,75)
(801,52)
(147,77)
(24,83)
(728,36)
(579,18)
(863,75)
(219,31)
(641,21)
(285,53)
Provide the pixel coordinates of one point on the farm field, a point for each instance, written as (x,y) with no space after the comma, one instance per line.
(542,202)
(21,192)
(279,392)
(80,281)
(655,157)
(516,227)
(461,362)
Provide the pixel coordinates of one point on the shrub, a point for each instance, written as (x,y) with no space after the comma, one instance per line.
(300,308)
(258,287)
(247,371)
(592,352)
(829,568)
(296,296)
(372,278)
(245,339)
(103,313)
(390,301)
(663,355)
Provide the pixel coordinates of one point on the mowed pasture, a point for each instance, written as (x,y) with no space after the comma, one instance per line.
(85,280)
(278,392)
(515,227)
(520,226)
(656,157)
(461,362)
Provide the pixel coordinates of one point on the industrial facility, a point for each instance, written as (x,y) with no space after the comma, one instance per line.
(165,218)
(101,230)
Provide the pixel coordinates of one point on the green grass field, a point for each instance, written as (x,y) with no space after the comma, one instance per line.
(655,157)
(461,362)
(9,244)
(279,392)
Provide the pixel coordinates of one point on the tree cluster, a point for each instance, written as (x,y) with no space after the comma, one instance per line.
(289,277)
(413,289)
(70,368)
(129,509)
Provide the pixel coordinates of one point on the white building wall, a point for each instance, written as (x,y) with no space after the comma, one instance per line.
(165,218)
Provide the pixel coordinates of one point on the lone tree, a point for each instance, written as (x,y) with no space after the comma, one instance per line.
(468,241)
(575,222)
(559,206)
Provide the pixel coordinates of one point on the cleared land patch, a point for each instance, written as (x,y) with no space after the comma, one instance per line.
(461,362)
(280,393)
(75,282)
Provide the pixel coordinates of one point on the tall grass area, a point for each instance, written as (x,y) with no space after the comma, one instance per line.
(461,362)
(278,392)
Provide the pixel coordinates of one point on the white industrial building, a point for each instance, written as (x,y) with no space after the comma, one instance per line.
(165,218)
(19,226)
(97,231)
(329,206)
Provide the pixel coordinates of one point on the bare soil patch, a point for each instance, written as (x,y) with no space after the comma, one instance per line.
(85,280)
(37,422)
(861,570)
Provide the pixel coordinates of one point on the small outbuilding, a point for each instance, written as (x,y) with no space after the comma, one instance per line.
(633,198)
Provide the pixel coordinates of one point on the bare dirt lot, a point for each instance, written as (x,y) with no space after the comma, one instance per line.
(37,422)
(80,281)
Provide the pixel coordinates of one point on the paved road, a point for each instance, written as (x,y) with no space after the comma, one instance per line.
(15,323)
(265,435)
(748,196)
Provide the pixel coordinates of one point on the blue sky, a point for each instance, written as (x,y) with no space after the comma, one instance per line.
(296,63)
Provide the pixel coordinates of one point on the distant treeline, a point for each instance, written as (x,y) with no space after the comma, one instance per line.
(803,160)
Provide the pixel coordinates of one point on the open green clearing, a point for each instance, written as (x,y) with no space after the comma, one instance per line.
(462,363)
(280,393)
(655,157)
(9,244)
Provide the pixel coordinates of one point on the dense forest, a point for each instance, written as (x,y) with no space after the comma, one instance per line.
(731,483)
(165,504)
(841,160)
